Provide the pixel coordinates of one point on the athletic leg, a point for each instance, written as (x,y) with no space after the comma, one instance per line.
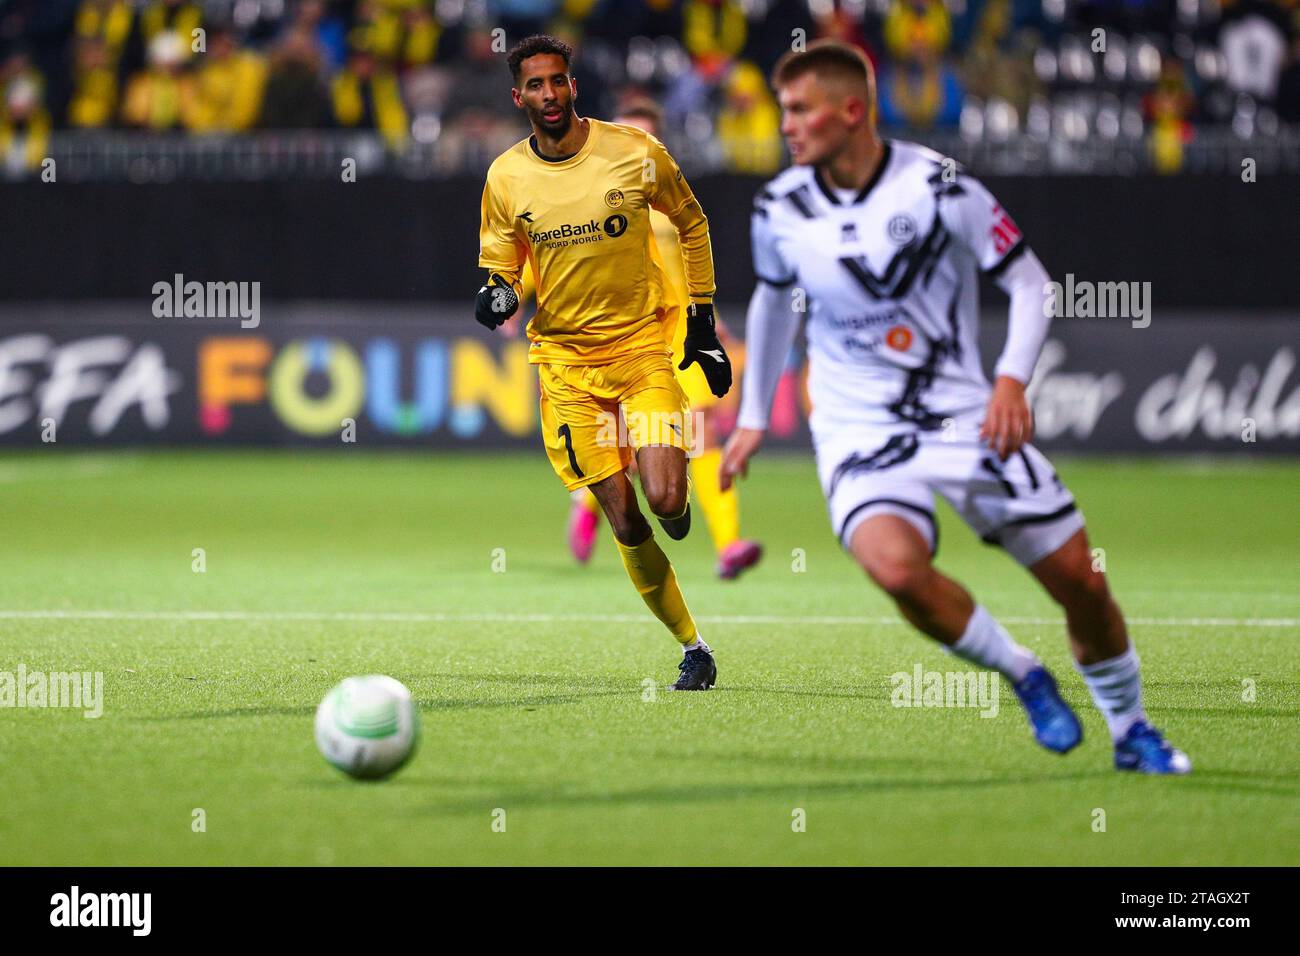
(1092,618)
(1022,505)
(576,406)
(654,578)
(663,479)
(896,556)
(1104,656)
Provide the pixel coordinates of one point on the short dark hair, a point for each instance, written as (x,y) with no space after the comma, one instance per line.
(826,58)
(534,45)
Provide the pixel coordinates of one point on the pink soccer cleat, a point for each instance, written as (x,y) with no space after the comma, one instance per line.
(738,556)
(582,531)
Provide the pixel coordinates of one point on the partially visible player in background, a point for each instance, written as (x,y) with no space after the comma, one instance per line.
(721,507)
(886,239)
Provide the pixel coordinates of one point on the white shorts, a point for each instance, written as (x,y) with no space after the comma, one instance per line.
(1018,504)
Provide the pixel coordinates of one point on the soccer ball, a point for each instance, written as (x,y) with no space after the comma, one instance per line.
(368,727)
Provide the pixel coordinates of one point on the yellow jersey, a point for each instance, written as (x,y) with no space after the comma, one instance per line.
(583,226)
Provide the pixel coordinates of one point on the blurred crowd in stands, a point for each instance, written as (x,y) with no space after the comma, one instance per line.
(434,70)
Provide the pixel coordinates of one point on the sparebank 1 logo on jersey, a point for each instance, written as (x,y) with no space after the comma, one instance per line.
(570,233)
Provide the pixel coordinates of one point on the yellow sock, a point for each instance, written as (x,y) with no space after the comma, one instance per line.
(721,508)
(589,501)
(653,576)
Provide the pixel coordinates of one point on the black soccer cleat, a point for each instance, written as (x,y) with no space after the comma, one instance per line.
(680,527)
(699,672)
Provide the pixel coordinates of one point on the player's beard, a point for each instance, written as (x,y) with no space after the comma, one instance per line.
(557,129)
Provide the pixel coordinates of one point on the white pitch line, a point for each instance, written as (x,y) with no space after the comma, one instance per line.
(379,617)
(13,472)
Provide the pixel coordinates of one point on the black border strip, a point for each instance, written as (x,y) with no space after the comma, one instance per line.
(928,515)
(885,155)
(1018,250)
(992,536)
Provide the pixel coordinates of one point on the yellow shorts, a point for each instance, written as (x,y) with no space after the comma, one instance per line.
(595,416)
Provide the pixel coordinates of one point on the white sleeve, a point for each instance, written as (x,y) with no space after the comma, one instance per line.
(980,224)
(770,326)
(974,217)
(769,265)
(1026,282)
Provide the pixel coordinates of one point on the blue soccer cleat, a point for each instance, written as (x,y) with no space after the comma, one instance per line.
(1054,723)
(1145,750)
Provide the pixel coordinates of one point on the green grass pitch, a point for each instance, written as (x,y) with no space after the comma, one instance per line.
(530,680)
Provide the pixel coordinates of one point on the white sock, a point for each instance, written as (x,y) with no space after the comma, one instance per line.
(1116,688)
(987,643)
(696,645)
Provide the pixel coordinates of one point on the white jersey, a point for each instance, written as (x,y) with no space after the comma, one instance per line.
(890,280)
(890,276)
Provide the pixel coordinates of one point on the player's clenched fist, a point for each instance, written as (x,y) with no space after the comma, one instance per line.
(495,302)
(702,346)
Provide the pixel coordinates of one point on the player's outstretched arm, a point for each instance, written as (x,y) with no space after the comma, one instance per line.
(1008,420)
(668,192)
(981,224)
(1025,282)
(499,252)
(770,327)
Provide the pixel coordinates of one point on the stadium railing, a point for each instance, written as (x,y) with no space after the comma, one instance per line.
(152,157)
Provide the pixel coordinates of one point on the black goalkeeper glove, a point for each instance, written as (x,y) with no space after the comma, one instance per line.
(495,302)
(702,346)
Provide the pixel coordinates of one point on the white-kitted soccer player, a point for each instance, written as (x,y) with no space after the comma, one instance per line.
(881,244)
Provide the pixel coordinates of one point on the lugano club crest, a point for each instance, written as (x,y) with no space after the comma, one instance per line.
(901,229)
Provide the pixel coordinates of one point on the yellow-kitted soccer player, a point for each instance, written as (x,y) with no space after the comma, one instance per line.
(573,202)
(721,508)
